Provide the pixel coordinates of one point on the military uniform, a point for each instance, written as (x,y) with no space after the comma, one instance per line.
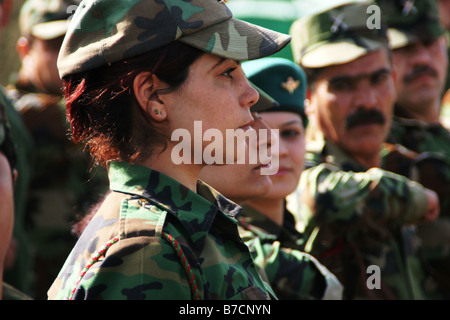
(354,216)
(61,185)
(155,239)
(431,140)
(350,211)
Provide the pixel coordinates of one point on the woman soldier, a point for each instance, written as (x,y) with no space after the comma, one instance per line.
(134,72)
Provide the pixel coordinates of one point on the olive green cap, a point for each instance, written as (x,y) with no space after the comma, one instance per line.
(336,36)
(106,31)
(410,21)
(46,19)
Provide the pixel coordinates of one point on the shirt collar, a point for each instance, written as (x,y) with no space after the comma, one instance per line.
(195,211)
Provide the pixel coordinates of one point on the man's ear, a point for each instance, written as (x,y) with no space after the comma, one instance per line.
(146,86)
(308,106)
(23,47)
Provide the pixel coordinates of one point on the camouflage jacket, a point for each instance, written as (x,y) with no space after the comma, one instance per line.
(293,274)
(288,236)
(431,143)
(60,169)
(153,238)
(59,186)
(355,218)
(419,136)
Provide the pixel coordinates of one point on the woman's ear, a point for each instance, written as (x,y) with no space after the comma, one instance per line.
(146,87)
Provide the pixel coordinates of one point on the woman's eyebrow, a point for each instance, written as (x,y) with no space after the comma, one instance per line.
(221,61)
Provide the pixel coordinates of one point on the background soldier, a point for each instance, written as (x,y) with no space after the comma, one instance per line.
(355,213)
(420,60)
(61,184)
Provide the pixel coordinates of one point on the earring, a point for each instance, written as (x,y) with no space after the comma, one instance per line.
(156,111)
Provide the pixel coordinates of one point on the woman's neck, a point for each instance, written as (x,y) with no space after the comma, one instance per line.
(271,208)
(186,174)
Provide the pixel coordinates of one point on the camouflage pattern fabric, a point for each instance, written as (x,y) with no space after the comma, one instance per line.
(140,263)
(61,184)
(293,274)
(355,217)
(106,31)
(432,142)
(253,220)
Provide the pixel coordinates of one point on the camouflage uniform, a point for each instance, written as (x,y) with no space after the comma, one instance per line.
(135,246)
(292,273)
(61,185)
(350,211)
(430,140)
(158,239)
(354,216)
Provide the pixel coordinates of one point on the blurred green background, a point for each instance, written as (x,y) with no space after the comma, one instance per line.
(9,59)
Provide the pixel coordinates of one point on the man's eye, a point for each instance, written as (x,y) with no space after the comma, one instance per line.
(342,85)
(379,78)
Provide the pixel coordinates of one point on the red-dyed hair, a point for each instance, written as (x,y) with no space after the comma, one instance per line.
(103,112)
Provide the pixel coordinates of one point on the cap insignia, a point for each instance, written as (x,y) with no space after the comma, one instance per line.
(290,85)
(338,23)
(408,7)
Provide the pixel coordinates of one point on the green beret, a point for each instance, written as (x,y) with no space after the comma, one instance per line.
(281,79)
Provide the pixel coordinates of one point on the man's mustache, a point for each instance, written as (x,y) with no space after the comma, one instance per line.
(419,70)
(363,116)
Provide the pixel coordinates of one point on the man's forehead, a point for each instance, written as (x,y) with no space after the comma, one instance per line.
(365,65)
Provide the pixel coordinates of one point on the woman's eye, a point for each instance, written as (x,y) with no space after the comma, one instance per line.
(286,134)
(228,72)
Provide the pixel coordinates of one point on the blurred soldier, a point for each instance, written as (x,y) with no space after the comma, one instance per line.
(8,174)
(291,273)
(419,47)
(355,214)
(286,83)
(61,182)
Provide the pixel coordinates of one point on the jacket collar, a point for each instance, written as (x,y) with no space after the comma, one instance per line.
(195,211)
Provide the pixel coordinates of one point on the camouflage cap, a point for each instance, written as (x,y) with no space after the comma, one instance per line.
(336,36)
(106,31)
(46,19)
(282,80)
(410,21)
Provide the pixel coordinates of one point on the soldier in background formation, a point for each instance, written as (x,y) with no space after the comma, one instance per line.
(61,185)
(354,213)
(271,236)
(8,177)
(419,57)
